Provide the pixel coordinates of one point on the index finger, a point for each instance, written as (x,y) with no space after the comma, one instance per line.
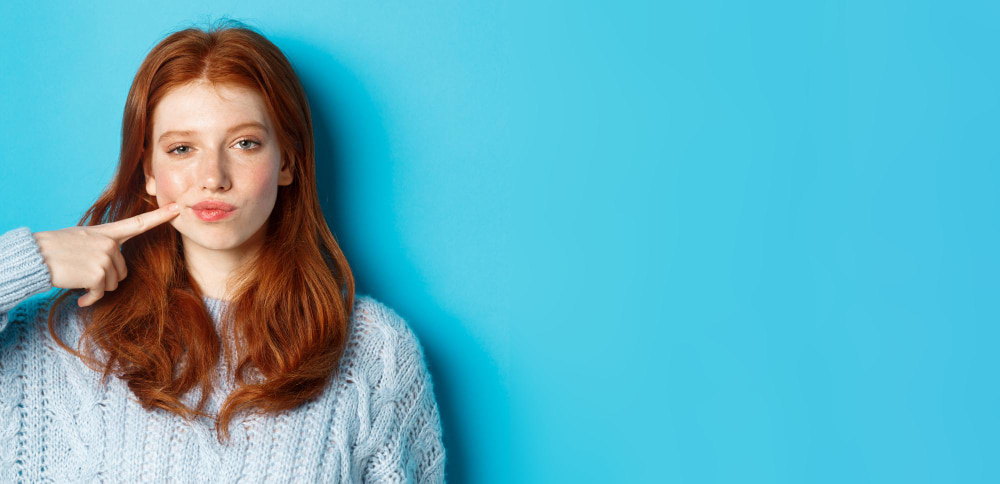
(125,229)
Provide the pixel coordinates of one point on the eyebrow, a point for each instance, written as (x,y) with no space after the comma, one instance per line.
(252,124)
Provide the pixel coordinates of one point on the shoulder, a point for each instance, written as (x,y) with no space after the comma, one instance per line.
(373,320)
(383,343)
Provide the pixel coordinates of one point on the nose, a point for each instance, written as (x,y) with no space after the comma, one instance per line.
(213,171)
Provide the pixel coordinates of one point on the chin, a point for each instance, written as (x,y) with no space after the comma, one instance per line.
(217,241)
(219,245)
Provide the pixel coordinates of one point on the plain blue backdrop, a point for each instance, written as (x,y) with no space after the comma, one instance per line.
(639,241)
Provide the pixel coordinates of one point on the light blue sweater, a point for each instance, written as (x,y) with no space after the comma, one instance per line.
(377,422)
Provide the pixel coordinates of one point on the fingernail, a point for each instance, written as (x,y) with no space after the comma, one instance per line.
(173,207)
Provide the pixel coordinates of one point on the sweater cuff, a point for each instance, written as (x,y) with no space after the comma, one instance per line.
(23,271)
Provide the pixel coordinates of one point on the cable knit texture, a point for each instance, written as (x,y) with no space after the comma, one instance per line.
(377,421)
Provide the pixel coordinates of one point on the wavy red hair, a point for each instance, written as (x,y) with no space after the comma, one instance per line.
(286,326)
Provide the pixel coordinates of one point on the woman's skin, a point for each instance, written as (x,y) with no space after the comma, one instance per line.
(216,160)
(200,149)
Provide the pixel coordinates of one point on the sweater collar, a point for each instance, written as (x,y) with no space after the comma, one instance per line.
(215,307)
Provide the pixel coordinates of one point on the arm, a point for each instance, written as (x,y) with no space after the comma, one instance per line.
(23,272)
(426,448)
(414,450)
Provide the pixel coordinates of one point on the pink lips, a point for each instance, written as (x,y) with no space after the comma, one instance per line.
(212,210)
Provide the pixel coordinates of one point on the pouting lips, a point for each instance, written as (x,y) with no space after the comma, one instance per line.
(213,205)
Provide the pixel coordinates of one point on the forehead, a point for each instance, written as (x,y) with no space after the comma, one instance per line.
(204,107)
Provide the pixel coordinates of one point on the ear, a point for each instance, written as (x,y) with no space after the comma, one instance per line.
(284,176)
(150,181)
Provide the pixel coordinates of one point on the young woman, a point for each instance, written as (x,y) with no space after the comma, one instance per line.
(208,328)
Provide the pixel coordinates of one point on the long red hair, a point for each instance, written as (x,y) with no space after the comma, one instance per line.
(286,326)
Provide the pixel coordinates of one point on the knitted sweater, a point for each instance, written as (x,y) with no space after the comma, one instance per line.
(377,422)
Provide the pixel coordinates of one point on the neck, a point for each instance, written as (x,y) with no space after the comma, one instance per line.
(211,268)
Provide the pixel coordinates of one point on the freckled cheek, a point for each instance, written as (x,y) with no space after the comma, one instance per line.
(261,182)
(171,186)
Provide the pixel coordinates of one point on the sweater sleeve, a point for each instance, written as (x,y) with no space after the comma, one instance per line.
(23,272)
(414,451)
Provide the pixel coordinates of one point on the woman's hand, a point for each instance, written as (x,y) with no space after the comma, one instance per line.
(90,257)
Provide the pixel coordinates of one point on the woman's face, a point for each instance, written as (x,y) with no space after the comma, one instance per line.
(217,144)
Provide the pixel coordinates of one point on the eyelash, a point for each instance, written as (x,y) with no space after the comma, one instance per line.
(171,151)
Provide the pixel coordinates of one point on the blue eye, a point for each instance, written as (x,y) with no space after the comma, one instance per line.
(246,144)
(247,140)
(179,147)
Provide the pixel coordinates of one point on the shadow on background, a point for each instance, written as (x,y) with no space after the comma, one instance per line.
(356,208)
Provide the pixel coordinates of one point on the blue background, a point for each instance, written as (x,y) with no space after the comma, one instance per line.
(639,241)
